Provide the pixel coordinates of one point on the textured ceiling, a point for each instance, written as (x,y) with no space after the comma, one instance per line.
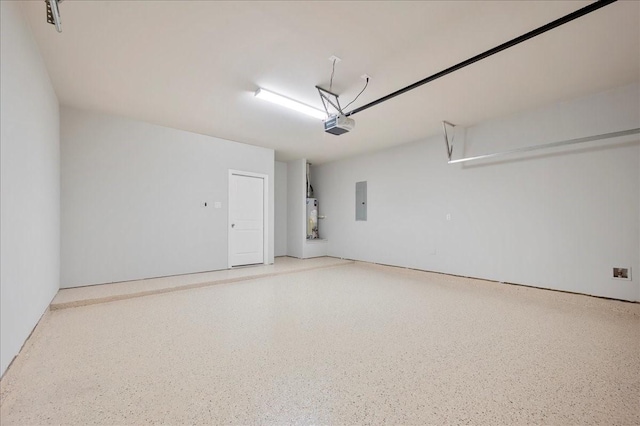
(194,65)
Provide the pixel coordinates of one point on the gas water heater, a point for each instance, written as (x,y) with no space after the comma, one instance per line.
(312,219)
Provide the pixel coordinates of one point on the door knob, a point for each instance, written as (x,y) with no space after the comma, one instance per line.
(233,225)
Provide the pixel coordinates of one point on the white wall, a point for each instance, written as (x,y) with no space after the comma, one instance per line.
(30,184)
(556,219)
(132,196)
(296,202)
(280,209)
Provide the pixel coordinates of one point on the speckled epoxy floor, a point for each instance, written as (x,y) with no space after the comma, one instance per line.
(353,344)
(92,294)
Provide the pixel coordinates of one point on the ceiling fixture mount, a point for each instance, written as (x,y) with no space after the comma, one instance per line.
(53,13)
(290,103)
(337,123)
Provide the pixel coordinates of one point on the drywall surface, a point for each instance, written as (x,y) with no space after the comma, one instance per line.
(30,184)
(133,198)
(296,205)
(315,248)
(280,237)
(559,218)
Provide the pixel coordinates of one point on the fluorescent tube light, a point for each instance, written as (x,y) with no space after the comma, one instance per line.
(290,103)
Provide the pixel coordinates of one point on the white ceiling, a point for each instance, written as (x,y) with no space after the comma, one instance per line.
(194,65)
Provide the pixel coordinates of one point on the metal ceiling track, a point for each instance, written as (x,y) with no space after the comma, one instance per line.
(531,34)
(53,14)
(449,144)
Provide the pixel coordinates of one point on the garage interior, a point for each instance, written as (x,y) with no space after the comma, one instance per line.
(320,212)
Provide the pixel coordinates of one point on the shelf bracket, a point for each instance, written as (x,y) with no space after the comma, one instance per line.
(449,143)
(543,146)
(446,137)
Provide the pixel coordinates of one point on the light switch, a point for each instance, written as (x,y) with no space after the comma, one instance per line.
(217,205)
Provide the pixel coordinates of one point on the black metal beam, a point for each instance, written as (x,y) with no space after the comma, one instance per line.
(543,29)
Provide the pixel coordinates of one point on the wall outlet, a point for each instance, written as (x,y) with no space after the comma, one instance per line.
(448,216)
(217,205)
(620,273)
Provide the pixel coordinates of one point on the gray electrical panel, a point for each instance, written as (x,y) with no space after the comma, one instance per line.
(361,200)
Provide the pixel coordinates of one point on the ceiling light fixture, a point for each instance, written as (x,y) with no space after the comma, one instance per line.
(290,103)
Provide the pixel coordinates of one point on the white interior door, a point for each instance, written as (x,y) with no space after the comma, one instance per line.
(246,220)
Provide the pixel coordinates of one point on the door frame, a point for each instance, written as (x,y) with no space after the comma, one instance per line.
(265,213)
